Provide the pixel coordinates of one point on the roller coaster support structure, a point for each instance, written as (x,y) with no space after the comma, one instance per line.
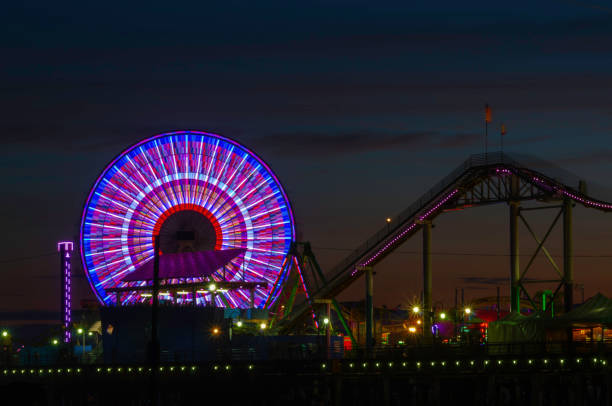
(427,279)
(482,180)
(568,255)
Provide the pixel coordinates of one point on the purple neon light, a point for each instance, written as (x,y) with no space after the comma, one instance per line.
(186,169)
(541,183)
(408,229)
(65,249)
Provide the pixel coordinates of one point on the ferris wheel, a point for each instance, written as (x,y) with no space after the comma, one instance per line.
(208,187)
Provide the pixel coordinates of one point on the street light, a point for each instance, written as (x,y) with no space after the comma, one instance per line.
(468,310)
(215,331)
(212,287)
(326,321)
(55,342)
(4,333)
(239,323)
(442,316)
(82,333)
(416,309)
(262,326)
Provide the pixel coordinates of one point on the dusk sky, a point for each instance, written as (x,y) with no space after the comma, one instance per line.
(358,107)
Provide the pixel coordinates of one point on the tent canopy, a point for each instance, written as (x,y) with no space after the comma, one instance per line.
(598,309)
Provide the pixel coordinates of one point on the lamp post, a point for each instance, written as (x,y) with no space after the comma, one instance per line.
(82,333)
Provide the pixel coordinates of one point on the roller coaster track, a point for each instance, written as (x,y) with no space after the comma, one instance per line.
(479,180)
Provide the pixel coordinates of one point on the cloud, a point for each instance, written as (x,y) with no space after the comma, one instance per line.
(595,157)
(351,142)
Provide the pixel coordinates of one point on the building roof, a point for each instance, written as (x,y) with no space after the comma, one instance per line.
(198,264)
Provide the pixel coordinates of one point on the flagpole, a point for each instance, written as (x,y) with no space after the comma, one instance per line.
(487,119)
(486,139)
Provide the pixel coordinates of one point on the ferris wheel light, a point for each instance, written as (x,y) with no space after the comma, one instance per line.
(220,180)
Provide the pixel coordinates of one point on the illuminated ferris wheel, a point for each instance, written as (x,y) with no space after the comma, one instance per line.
(199,192)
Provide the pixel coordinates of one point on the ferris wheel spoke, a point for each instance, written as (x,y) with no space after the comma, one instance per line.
(186,171)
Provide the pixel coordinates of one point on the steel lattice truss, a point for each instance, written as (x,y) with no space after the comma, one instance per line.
(480,180)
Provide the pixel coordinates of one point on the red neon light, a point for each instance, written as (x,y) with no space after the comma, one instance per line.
(193,207)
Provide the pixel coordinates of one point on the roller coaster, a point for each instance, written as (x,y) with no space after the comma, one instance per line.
(482,179)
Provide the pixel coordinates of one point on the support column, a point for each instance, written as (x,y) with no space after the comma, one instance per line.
(427,310)
(328,329)
(568,256)
(369,311)
(515,271)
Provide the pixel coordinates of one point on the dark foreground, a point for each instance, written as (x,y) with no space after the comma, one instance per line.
(479,381)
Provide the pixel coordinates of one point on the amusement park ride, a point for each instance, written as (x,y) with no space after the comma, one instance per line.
(227,235)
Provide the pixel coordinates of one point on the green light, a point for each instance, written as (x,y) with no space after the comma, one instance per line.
(250,367)
(390,364)
(323,366)
(80,331)
(529,362)
(418,365)
(457,363)
(227,367)
(403,364)
(4,333)
(377,365)
(514,362)
(90,334)
(351,365)
(55,341)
